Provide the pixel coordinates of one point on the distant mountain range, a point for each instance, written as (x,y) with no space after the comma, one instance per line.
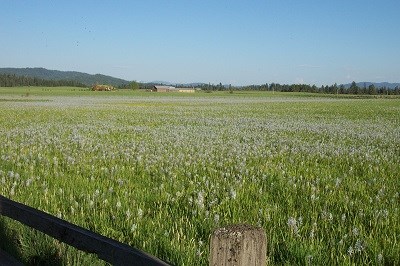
(376,84)
(89,79)
(84,78)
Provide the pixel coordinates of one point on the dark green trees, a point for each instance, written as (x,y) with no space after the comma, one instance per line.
(9,80)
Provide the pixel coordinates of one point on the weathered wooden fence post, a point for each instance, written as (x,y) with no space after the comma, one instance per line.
(239,245)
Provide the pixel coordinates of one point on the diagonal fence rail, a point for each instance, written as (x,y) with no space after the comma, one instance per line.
(105,248)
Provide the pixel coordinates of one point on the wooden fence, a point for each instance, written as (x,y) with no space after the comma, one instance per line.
(106,248)
(238,245)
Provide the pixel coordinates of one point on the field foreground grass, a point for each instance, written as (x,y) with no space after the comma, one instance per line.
(161,171)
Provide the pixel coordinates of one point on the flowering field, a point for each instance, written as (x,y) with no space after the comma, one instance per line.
(160,171)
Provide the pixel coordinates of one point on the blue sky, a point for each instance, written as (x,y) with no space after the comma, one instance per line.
(233,42)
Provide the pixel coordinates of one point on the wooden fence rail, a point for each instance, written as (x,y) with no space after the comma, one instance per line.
(106,248)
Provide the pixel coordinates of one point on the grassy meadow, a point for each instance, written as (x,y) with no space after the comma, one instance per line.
(161,171)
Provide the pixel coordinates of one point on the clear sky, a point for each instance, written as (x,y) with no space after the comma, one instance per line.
(234,42)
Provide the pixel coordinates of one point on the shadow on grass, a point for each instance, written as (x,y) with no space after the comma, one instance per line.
(28,245)
(8,243)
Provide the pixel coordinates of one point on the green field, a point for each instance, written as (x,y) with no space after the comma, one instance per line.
(161,171)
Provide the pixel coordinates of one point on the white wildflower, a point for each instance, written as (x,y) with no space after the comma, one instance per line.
(232,193)
(28,182)
(313,197)
(359,246)
(350,251)
(216,218)
(380,257)
(10,174)
(312,233)
(133,228)
(200,200)
(293,226)
(309,259)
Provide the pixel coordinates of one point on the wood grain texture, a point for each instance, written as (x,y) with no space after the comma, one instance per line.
(238,245)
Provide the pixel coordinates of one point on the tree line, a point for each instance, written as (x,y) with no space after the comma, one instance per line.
(133,85)
(11,80)
(332,89)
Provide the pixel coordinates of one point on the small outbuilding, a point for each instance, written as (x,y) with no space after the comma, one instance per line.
(160,88)
(172,89)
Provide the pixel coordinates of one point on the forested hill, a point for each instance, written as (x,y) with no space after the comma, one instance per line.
(78,77)
(11,80)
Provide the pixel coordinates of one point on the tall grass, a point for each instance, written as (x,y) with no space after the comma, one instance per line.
(161,171)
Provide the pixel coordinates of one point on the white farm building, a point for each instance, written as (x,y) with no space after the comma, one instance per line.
(172,89)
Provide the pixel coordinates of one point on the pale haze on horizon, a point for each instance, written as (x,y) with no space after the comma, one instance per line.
(233,42)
